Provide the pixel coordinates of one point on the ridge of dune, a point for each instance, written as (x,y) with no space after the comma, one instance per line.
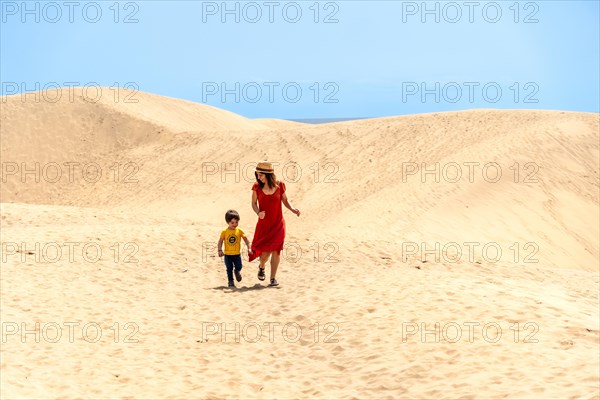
(279,123)
(179,115)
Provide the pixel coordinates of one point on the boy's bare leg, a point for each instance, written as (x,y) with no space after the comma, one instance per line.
(264,257)
(274,263)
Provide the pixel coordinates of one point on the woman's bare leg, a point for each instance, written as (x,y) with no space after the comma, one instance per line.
(274,263)
(264,257)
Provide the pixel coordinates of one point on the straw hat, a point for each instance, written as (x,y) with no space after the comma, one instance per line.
(264,168)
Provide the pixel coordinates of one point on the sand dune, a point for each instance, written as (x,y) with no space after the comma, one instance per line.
(81,122)
(356,277)
(279,123)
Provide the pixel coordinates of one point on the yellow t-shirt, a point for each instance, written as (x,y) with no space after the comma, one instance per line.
(232,239)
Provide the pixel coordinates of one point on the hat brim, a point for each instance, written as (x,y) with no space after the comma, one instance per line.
(264,171)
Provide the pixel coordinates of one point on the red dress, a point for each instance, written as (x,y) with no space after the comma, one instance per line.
(270,231)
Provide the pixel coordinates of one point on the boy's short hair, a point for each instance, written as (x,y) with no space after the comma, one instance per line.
(231,214)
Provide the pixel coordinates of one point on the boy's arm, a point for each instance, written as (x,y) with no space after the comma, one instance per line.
(219,244)
(247,243)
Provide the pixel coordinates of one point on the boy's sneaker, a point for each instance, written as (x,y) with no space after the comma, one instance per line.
(231,284)
(238,276)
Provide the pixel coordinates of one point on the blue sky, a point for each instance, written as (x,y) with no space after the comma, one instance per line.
(333,58)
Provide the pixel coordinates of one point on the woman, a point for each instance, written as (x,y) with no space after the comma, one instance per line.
(267,196)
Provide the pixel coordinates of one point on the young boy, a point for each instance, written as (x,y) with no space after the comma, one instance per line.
(232,236)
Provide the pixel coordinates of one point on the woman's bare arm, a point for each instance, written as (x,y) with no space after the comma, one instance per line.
(261,214)
(255,202)
(286,203)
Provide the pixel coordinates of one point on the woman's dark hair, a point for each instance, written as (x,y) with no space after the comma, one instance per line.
(231,214)
(271,180)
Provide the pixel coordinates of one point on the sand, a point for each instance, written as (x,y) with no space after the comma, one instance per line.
(395,282)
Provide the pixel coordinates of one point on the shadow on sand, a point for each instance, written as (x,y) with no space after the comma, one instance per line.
(257,286)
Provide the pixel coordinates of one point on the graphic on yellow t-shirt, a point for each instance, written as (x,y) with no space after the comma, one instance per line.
(232,241)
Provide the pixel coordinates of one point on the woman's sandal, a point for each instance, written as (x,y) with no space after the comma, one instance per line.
(261,274)
(274,282)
